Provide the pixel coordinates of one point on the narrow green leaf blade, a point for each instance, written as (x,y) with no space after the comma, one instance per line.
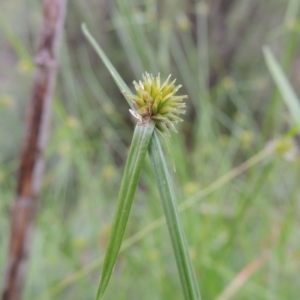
(133,167)
(287,92)
(114,73)
(166,190)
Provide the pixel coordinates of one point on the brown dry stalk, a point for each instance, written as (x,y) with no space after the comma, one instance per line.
(242,277)
(31,160)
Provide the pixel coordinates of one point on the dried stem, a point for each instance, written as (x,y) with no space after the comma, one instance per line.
(31,160)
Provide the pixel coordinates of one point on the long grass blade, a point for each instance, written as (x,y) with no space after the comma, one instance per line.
(114,73)
(166,190)
(134,164)
(289,96)
(189,283)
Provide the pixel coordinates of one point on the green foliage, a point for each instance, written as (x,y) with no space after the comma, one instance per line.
(288,94)
(239,202)
(167,194)
(133,168)
(158,101)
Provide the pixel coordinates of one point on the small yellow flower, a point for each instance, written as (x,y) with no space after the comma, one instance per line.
(109,171)
(157,102)
(72,122)
(25,66)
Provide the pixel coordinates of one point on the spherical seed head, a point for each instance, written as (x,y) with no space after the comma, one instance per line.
(158,102)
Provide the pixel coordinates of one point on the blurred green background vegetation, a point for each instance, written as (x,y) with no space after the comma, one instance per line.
(214,49)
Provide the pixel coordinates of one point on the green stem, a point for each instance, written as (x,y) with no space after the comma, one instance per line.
(134,164)
(288,94)
(166,190)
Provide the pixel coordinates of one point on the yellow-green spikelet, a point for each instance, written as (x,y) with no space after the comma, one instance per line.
(158,102)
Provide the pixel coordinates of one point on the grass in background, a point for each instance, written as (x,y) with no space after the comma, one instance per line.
(252,213)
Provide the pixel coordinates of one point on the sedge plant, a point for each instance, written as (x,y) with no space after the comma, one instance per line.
(157,107)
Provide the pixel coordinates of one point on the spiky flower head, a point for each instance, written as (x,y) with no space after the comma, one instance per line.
(158,102)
